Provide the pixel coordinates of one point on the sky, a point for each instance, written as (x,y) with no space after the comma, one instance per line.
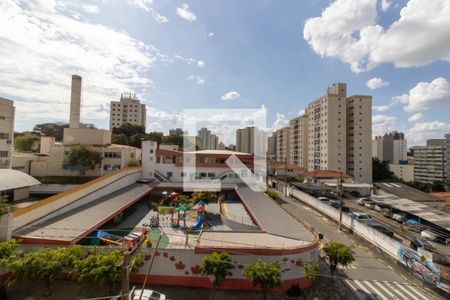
(273,56)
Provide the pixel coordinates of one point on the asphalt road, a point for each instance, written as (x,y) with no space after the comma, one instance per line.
(369,274)
(405,236)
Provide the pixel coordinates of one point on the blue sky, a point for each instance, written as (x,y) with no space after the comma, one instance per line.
(213,54)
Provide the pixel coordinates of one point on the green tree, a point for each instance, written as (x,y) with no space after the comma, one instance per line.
(174,139)
(154,136)
(439,186)
(8,249)
(312,271)
(422,186)
(204,195)
(82,158)
(51,129)
(5,206)
(99,267)
(266,276)
(24,143)
(381,172)
(338,254)
(119,138)
(45,264)
(129,129)
(218,266)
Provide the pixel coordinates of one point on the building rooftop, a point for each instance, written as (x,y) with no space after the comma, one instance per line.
(326,174)
(13,179)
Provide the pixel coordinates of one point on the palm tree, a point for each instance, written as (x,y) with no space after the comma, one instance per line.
(338,254)
(265,275)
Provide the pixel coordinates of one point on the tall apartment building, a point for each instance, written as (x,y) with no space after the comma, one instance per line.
(282,144)
(447,137)
(7,114)
(327,130)
(340,132)
(359,137)
(272,145)
(251,140)
(430,161)
(213,142)
(298,130)
(204,135)
(377,147)
(128,110)
(393,147)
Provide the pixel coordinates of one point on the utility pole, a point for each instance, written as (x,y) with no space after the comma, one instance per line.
(339,185)
(150,266)
(125,275)
(285,176)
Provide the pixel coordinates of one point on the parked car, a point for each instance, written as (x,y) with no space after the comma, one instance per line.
(399,217)
(433,236)
(361,217)
(147,295)
(370,204)
(362,201)
(382,229)
(386,212)
(323,199)
(380,206)
(336,204)
(422,243)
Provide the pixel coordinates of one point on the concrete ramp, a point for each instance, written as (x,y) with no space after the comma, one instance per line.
(71,226)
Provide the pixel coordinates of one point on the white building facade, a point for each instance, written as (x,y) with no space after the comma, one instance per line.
(7,115)
(128,110)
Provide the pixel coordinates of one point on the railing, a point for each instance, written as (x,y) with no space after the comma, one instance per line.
(161,177)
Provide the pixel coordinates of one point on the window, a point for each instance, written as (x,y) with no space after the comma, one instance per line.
(3,153)
(211,175)
(151,151)
(182,174)
(4,136)
(112,155)
(169,174)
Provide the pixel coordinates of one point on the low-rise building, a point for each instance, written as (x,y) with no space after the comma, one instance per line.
(430,161)
(403,171)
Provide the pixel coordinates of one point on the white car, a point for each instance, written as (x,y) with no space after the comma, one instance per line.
(399,217)
(361,217)
(362,201)
(147,295)
(323,199)
(433,236)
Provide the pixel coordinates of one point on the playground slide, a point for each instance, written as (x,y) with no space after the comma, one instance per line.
(199,223)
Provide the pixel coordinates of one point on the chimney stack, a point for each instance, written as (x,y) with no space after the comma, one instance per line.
(75,102)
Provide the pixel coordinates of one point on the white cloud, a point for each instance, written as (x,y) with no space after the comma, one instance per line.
(197,79)
(147,5)
(191,61)
(381,107)
(42,47)
(376,82)
(416,117)
(420,132)
(385,4)
(200,64)
(280,122)
(382,124)
(184,13)
(211,34)
(348,30)
(301,112)
(232,95)
(154,126)
(90,8)
(426,94)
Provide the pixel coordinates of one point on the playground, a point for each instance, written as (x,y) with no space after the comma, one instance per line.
(174,219)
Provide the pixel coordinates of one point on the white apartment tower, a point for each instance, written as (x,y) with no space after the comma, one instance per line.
(251,140)
(327,130)
(340,133)
(282,144)
(7,113)
(298,130)
(204,135)
(359,138)
(377,147)
(128,110)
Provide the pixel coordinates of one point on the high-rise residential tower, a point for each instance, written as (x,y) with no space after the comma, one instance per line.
(430,161)
(204,135)
(128,110)
(298,141)
(7,114)
(282,144)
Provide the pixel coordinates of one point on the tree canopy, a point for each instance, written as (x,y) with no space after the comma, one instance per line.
(57,129)
(266,276)
(24,143)
(338,254)
(218,266)
(381,172)
(82,158)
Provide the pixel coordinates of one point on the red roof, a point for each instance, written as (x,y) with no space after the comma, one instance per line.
(326,174)
(280,165)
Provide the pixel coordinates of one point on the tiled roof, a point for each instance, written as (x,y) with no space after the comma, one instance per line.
(326,174)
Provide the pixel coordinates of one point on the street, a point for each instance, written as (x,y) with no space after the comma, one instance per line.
(369,274)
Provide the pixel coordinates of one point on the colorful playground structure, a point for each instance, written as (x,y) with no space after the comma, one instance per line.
(130,241)
(200,215)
